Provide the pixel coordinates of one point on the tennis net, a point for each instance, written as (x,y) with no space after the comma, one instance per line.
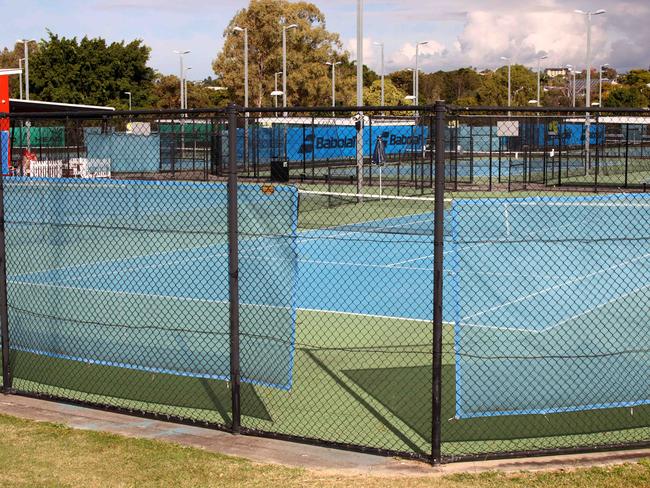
(368,213)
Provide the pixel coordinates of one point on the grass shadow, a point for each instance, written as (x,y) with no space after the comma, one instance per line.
(177,392)
(406,393)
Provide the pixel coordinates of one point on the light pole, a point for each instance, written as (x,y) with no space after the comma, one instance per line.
(359,123)
(245,31)
(412,97)
(333,65)
(359,53)
(600,85)
(381,45)
(26,46)
(285,28)
(573,83)
(503,58)
(417,71)
(129,95)
(182,75)
(20,77)
(185,86)
(276,87)
(588,16)
(539,81)
(575,88)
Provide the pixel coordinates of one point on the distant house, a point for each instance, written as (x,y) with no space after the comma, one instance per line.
(555,72)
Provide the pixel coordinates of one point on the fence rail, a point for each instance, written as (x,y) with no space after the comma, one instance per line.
(448,284)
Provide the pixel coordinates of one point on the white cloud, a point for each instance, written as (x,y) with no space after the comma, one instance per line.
(487,36)
(405,56)
(370,51)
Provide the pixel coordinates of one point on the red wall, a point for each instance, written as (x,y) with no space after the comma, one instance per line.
(4,101)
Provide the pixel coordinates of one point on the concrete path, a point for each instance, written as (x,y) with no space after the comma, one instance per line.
(281,452)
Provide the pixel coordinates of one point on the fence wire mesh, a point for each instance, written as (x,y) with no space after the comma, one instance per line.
(120,273)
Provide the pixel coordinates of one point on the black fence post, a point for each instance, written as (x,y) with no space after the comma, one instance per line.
(490,159)
(233,269)
(430,143)
(4,315)
(439,213)
(627,152)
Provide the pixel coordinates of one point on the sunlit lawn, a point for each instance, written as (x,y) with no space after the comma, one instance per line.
(42,454)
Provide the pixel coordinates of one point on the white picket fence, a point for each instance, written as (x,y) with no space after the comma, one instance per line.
(75,168)
(46,169)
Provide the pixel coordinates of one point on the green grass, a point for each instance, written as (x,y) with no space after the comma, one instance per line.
(42,454)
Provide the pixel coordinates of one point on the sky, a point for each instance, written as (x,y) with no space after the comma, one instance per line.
(459,32)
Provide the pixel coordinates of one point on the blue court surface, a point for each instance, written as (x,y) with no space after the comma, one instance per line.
(551,296)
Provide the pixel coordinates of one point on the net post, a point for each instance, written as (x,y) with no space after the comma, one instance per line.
(439,209)
(233,270)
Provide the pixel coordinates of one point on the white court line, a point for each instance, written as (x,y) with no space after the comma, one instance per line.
(149,295)
(356,314)
(600,305)
(558,286)
(557,324)
(203,300)
(362,265)
(499,327)
(394,265)
(371,197)
(125,293)
(135,267)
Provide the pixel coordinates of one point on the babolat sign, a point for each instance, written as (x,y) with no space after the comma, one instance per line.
(332,142)
(323,142)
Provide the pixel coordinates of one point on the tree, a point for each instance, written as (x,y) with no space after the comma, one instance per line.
(626,96)
(461,83)
(309,47)
(633,90)
(166,93)
(392,94)
(200,95)
(91,71)
(452,86)
(9,59)
(403,80)
(494,89)
(636,77)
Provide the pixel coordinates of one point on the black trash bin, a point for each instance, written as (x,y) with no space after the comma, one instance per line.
(279,171)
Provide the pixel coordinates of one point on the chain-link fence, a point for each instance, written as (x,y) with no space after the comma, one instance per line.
(442,284)
(546,149)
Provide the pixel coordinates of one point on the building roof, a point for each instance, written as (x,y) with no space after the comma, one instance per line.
(33,106)
(10,71)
